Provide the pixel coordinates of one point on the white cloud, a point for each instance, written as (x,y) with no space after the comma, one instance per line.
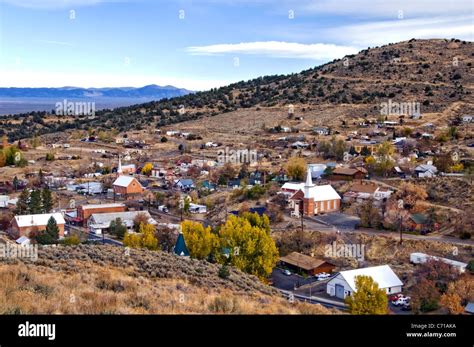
(32,78)
(388,8)
(277,49)
(384,32)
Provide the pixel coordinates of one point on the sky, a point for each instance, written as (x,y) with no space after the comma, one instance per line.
(202,44)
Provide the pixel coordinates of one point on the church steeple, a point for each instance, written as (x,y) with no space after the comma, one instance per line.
(308,184)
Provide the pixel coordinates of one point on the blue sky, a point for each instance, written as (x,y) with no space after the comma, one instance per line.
(200,44)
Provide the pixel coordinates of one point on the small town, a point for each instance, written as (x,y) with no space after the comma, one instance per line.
(191,164)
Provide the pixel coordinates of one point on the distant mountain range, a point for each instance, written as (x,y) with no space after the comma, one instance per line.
(149,92)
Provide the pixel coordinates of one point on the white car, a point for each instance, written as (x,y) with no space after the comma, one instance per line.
(403,300)
(287,272)
(322,276)
(295,214)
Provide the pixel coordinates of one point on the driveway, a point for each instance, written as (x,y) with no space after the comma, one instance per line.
(285,282)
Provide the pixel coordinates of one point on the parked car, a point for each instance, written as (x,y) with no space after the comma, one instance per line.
(402,300)
(294,214)
(287,272)
(322,276)
(395,297)
(406,307)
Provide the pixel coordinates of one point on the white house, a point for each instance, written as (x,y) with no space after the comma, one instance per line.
(343,284)
(4,201)
(426,170)
(195,208)
(100,222)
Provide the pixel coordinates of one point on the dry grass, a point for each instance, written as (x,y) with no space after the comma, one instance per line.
(32,289)
(103,280)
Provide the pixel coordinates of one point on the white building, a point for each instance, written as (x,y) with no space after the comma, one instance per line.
(195,208)
(344,285)
(100,222)
(420,258)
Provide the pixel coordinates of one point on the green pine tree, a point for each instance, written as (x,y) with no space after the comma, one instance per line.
(50,234)
(36,204)
(22,205)
(47,200)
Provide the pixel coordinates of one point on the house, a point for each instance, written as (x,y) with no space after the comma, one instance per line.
(299,145)
(256,178)
(180,248)
(85,211)
(127,186)
(367,190)
(100,222)
(321,130)
(418,222)
(312,199)
(4,201)
(426,170)
(370,145)
(469,308)
(421,258)
(195,208)
(185,184)
(158,172)
(31,224)
(343,284)
(304,263)
(209,186)
(23,241)
(234,183)
(348,174)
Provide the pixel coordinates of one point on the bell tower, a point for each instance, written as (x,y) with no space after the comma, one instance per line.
(308,200)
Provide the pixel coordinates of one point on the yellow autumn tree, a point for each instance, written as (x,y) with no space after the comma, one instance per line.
(368,298)
(132,240)
(145,238)
(249,248)
(296,168)
(201,242)
(148,239)
(147,169)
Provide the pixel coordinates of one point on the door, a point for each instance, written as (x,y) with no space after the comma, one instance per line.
(339,291)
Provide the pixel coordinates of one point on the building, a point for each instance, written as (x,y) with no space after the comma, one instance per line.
(426,170)
(127,186)
(348,174)
(366,190)
(185,184)
(195,208)
(313,199)
(343,284)
(418,222)
(321,130)
(421,258)
(85,211)
(304,263)
(100,222)
(31,224)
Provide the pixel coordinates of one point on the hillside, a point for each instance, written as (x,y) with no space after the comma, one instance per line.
(435,73)
(102,279)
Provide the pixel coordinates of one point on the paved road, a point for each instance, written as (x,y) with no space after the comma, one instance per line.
(106,240)
(314,224)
